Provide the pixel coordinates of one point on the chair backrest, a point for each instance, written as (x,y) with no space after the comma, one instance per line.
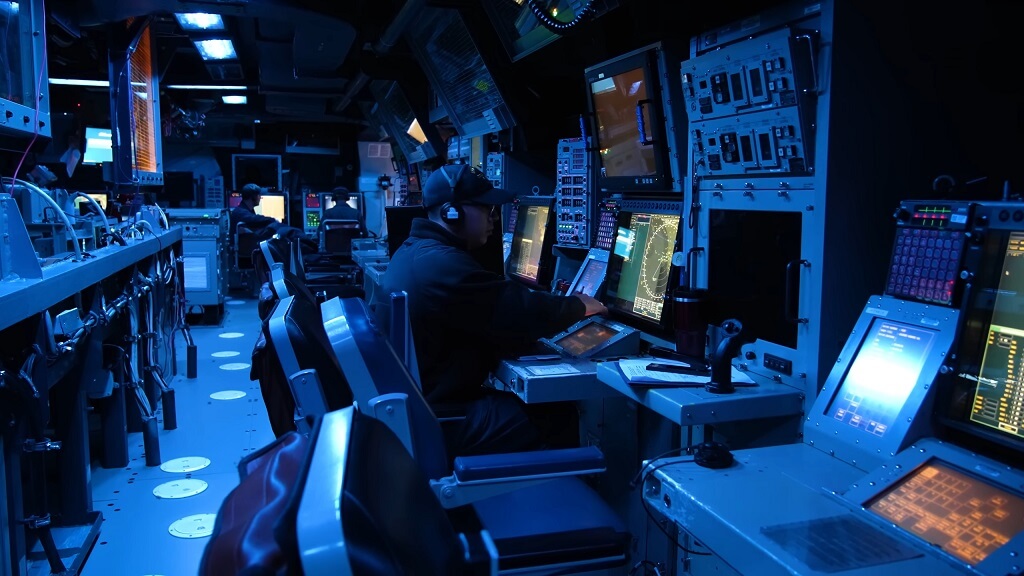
(245,243)
(273,250)
(373,369)
(399,332)
(391,522)
(336,236)
(317,382)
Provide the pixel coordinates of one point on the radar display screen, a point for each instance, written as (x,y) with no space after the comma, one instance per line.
(644,257)
(948,508)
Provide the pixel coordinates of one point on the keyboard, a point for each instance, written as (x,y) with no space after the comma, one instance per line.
(837,544)
(925,264)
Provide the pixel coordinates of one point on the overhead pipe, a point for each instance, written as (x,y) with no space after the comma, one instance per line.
(409,11)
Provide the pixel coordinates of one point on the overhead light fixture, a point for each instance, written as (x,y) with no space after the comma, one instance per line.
(204,87)
(200,21)
(76,82)
(234,99)
(216,49)
(416,131)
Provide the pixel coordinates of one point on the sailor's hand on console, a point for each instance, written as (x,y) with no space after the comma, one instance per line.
(594,305)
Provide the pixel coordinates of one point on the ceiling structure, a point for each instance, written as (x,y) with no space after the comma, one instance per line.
(307,65)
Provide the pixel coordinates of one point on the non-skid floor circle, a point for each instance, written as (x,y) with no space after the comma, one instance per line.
(234,366)
(227,395)
(185,464)
(194,526)
(231,335)
(226,354)
(182,488)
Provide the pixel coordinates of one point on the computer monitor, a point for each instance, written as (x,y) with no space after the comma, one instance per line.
(590,278)
(98,146)
(399,221)
(275,206)
(640,265)
(234,200)
(625,99)
(533,222)
(983,399)
(881,376)
(327,201)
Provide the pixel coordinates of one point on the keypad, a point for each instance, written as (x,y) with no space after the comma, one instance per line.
(925,264)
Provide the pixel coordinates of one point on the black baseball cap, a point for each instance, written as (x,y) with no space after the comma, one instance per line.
(250,190)
(462,184)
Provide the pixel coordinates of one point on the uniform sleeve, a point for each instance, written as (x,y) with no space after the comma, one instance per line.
(496,307)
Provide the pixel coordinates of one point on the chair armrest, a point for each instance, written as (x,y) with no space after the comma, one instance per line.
(498,467)
(480,477)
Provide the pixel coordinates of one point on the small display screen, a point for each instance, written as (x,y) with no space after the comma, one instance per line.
(957,512)
(590,277)
(586,338)
(882,376)
(312,200)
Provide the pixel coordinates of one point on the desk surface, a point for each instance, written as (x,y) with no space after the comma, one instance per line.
(734,512)
(696,406)
(22,298)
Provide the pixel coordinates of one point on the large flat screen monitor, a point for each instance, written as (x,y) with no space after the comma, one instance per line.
(530,260)
(264,170)
(640,267)
(984,395)
(625,99)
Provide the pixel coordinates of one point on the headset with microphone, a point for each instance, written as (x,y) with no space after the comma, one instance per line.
(451,212)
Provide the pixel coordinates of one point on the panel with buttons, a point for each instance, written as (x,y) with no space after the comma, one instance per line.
(928,252)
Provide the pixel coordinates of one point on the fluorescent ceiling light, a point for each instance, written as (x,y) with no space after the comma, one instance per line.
(204,87)
(416,131)
(200,21)
(234,99)
(76,82)
(216,49)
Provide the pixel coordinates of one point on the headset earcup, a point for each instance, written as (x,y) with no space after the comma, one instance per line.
(451,213)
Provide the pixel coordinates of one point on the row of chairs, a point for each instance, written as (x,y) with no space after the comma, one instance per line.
(366,449)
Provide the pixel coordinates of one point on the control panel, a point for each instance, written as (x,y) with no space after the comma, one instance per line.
(770,71)
(928,251)
(750,106)
(311,212)
(572,193)
(754,144)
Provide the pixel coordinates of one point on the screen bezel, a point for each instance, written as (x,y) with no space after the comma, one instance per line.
(663,327)
(660,181)
(545,269)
